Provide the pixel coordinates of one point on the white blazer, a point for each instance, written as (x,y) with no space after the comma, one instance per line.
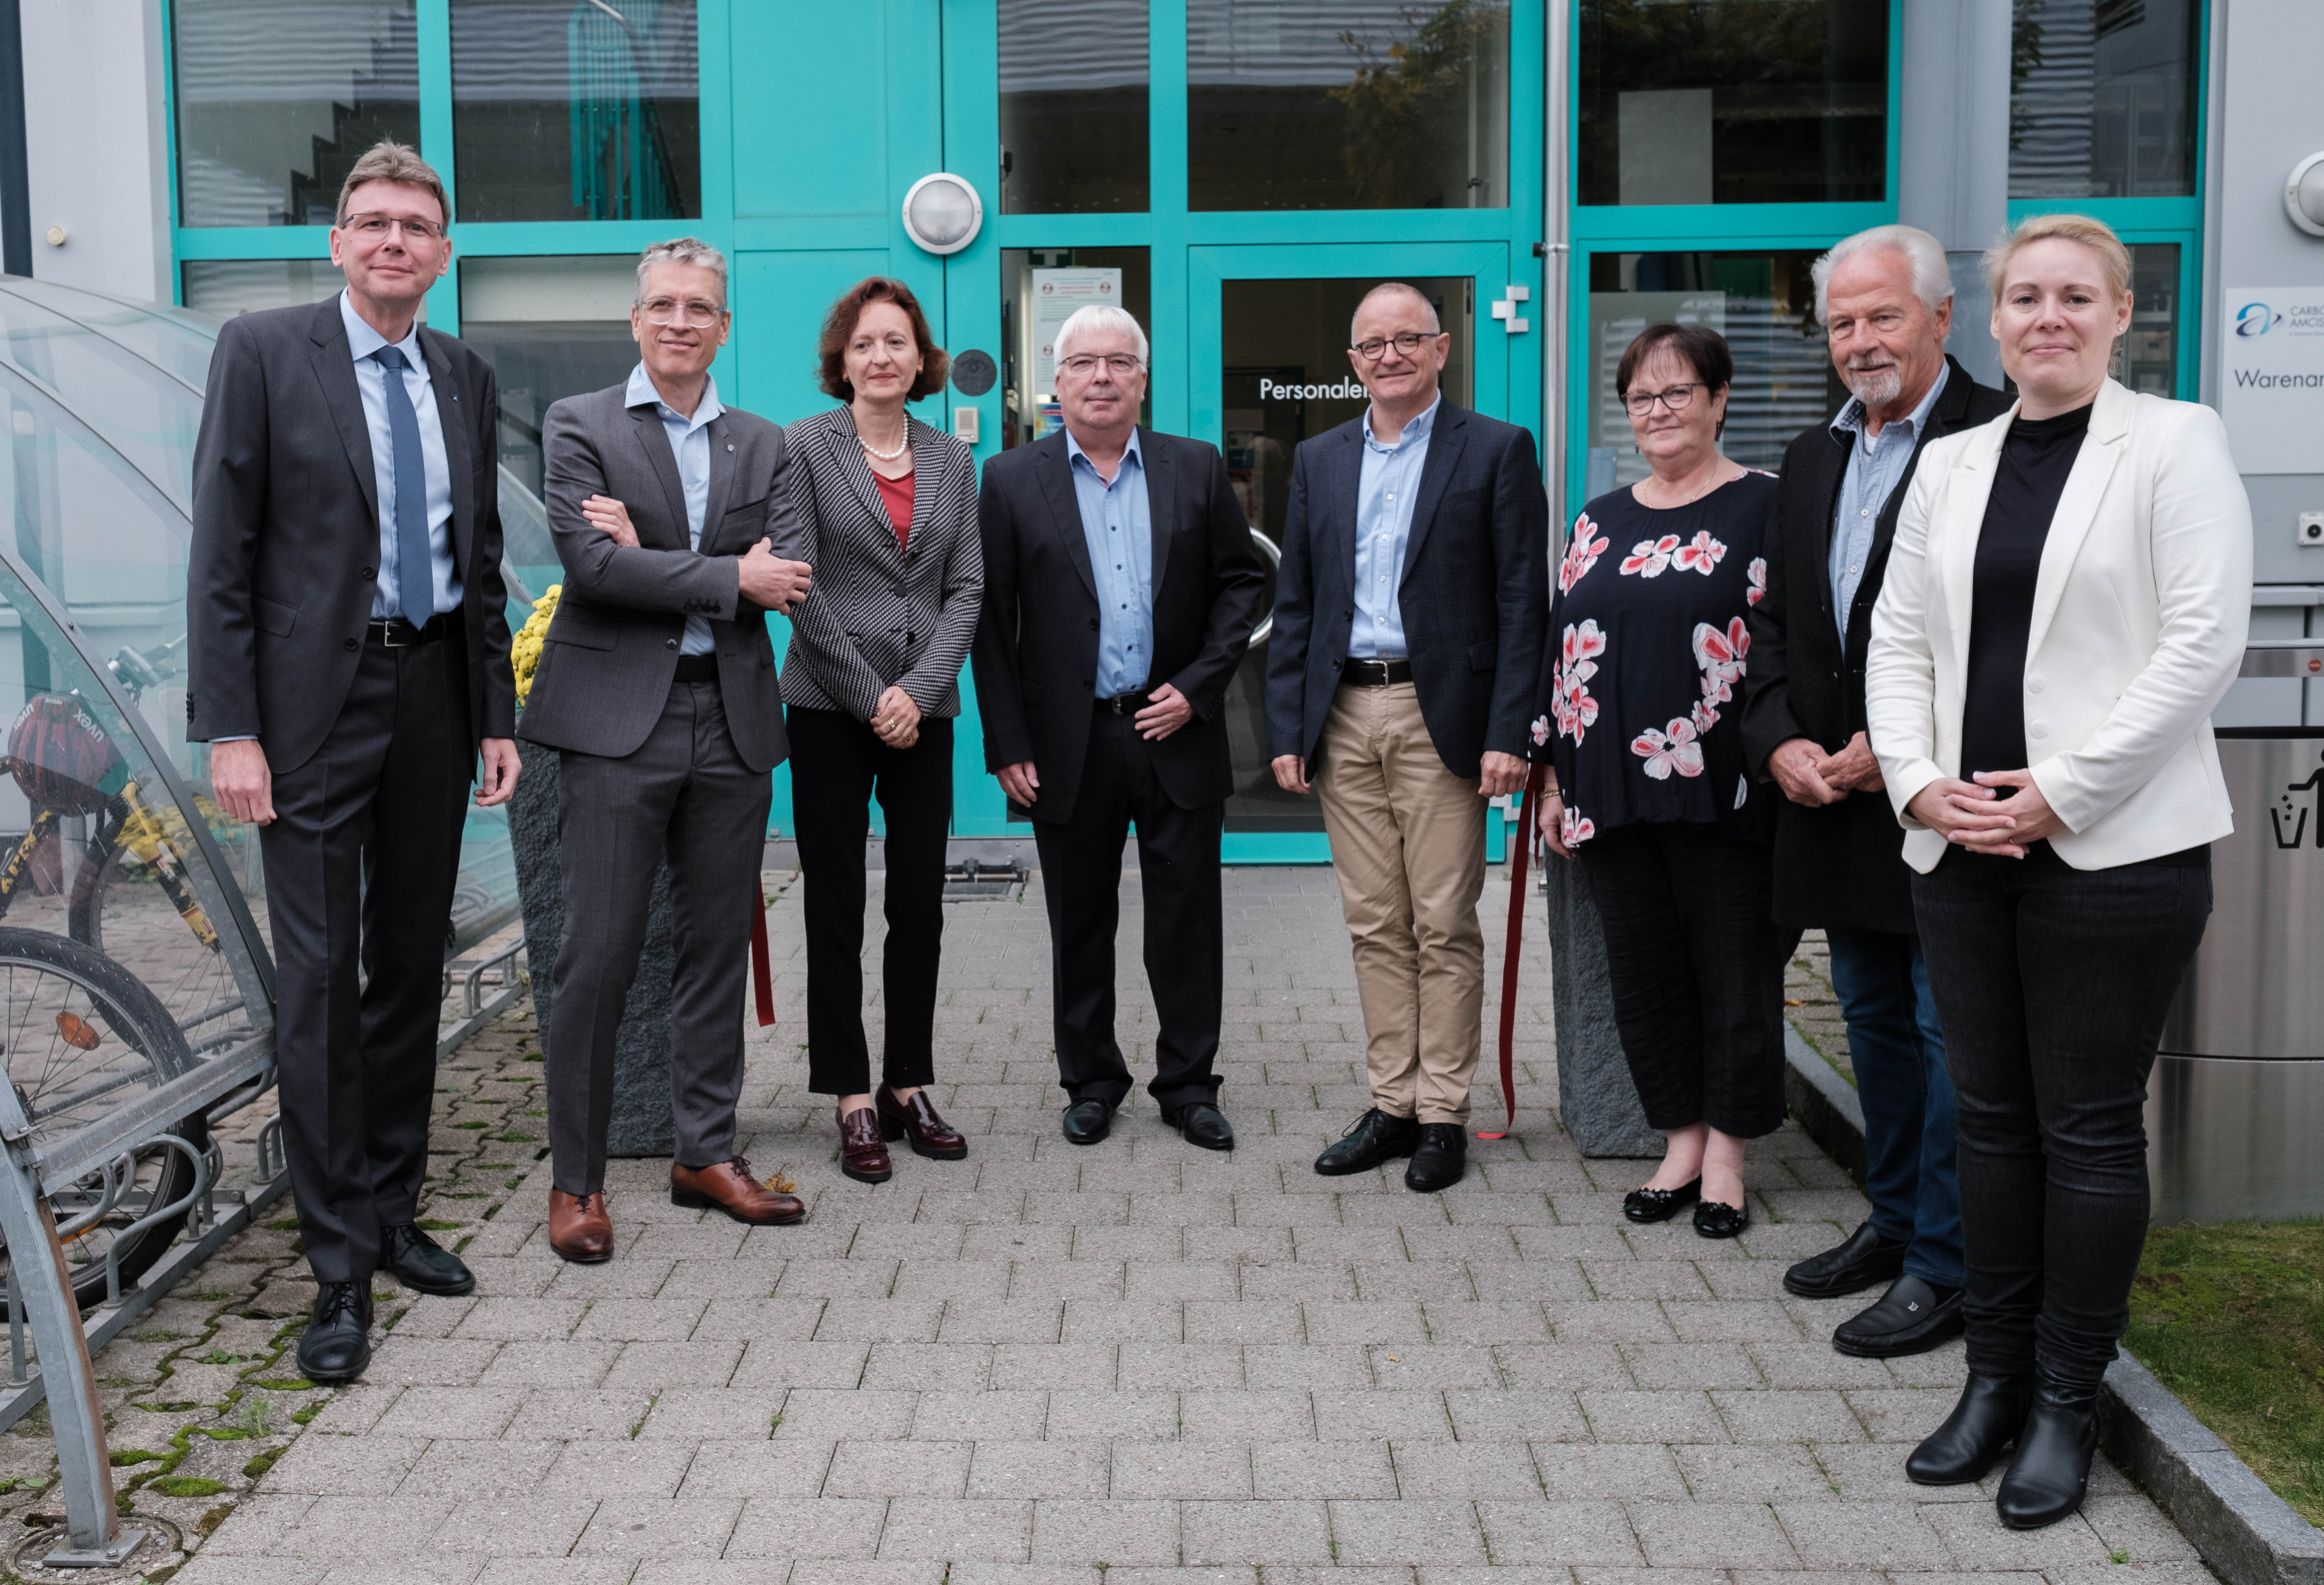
(2140,611)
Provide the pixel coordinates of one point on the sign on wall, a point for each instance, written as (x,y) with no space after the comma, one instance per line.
(2272,378)
(1056,294)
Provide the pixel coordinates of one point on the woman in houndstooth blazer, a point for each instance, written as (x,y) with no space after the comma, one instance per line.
(873,684)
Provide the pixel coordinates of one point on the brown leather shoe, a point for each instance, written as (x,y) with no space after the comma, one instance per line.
(730,1187)
(862,1152)
(916,1120)
(579,1227)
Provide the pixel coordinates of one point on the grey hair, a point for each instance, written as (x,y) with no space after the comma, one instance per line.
(1932,281)
(683,250)
(1434,323)
(1099,316)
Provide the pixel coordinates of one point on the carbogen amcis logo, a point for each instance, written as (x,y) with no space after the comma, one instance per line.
(2256,318)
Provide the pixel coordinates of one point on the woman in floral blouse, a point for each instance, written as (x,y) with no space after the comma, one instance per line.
(1641,720)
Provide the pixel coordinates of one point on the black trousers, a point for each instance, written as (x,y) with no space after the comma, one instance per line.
(2052,984)
(685,794)
(838,765)
(1185,945)
(361,864)
(1697,973)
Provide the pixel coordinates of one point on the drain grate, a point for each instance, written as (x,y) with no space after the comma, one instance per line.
(972,881)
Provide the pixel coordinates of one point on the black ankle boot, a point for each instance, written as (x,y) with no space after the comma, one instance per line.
(2051,1472)
(1990,1415)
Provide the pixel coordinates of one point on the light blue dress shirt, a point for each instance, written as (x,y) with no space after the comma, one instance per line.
(371,380)
(1874,467)
(1385,493)
(1117,523)
(689,443)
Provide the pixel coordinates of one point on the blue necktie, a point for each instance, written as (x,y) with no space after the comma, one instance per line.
(415,558)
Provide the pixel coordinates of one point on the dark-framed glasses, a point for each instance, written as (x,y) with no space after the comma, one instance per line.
(691,312)
(375,228)
(1082,365)
(1677,398)
(1407,342)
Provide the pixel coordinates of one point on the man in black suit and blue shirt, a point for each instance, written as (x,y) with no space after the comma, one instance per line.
(1121,590)
(348,663)
(1408,620)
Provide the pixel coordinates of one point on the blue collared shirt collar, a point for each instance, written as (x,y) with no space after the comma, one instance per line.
(642,394)
(1848,426)
(364,341)
(1419,428)
(1130,453)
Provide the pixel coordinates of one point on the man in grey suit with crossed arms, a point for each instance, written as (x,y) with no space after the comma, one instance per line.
(679,528)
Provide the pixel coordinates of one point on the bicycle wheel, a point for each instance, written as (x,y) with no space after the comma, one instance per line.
(80,1035)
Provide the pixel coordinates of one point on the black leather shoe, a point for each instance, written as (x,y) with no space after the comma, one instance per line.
(1440,1158)
(1203,1123)
(1715,1219)
(1911,1317)
(1987,1418)
(422,1265)
(336,1344)
(1377,1136)
(1088,1121)
(1659,1205)
(1863,1260)
(2051,1472)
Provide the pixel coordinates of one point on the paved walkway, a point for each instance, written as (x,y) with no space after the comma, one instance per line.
(1051,1365)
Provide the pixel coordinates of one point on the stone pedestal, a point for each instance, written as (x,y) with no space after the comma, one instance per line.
(641,1119)
(1595,1097)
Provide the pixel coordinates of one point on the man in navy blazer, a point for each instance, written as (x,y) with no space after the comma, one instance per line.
(1410,615)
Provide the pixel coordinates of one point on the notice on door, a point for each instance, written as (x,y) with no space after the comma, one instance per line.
(1056,294)
(2272,378)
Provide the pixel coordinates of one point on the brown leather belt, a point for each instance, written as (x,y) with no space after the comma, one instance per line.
(1355,673)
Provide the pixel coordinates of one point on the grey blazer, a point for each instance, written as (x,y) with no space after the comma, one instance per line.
(881,614)
(612,650)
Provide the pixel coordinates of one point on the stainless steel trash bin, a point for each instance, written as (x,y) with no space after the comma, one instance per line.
(2234,1114)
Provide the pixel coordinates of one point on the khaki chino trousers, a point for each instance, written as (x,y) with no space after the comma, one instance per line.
(1409,847)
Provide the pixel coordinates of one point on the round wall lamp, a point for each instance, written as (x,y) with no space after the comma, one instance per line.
(2304,195)
(941,213)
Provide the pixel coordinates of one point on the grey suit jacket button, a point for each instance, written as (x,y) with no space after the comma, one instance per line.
(349,644)
(669,644)
(370,572)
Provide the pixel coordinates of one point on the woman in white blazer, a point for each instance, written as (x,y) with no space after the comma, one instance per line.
(2066,602)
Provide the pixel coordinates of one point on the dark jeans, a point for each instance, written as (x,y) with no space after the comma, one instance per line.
(1899,1050)
(838,765)
(1697,973)
(2052,983)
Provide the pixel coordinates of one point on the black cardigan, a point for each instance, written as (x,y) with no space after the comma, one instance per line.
(1842,864)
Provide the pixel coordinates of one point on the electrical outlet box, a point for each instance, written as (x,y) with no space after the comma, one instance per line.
(2311,528)
(965,425)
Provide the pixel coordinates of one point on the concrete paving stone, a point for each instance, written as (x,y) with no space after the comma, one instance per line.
(1486,1320)
(642,1526)
(1435,1469)
(1118,1533)
(509,1570)
(1871,1536)
(972,1572)
(1045,1367)
(1644,1279)
(2133,1525)
(1028,1469)
(1256,1414)
(1238,1245)
(1180,1470)
(423,1362)
(1671,1416)
(1817,1364)
(1561,1365)
(1906,1414)
(1610,1320)
(1089,1320)
(1866,1577)
(1228,1321)
(899,1469)
(213,1568)
(768,1321)
(260,1526)
(2130,1573)
(1287,1279)
(444,1571)
(693,1414)
(1768,1414)
(784,1363)
(1149,1208)
(1365,1321)
(662,1366)
(639,1468)
(628,1275)
(794,1529)
(1125,1243)
(432,1315)
(1973,1533)
(1875,1472)
(1273,1207)
(561,1364)
(881,1320)
(1745,1279)
(1438,1365)
(351,1466)
(1002,1321)
(990,1530)
(754,1466)
(1409,1529)
(1005,1415)
(1524,1414)
(1184,1280)
(954,1280)
(478,1469)
(1091,1280)
(395,1526)
(1269,1533)
(628,1320)
(551,1413)
(1596,1234)
(1323,1470)
(1351,1245)
(831,1279)
(1657,1366)
(1756,1473)
(1499,1206)
(1156,1367)
(824,1414)
(984,1243)
(1448,1242)
(1583,1533)
(1571,1471)
(1737,1321)
(1946,1368)
(1076,1413)
(1316,1367)
(930,1366)
(909,1241)
(1553,1281)
(450,1411)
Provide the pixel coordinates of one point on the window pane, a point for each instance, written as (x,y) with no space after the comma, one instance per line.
(1347,103)
(1073,107)
(1734,101)
(576,111)
(1039,286)
(228,287)
(1762,302)
(2146,359)
(275,102)
(2101,98)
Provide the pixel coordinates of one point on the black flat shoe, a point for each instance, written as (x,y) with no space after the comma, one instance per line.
(336,1344)
(422,1265)
(2050,1474)
(1911,1317)
(1659,1205)
(1864,1260)
(1377,1136)
(1088,1121)
(1987,1418)
(1200,1123)
(1713,1220)
(1439,1160)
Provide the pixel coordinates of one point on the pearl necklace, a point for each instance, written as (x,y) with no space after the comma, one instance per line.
(901,446)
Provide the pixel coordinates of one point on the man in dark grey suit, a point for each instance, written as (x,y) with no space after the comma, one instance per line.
(657,681)
(1409,621)
(348,660)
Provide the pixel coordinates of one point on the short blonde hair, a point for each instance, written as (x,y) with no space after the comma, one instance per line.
(2095,235)
(389,161)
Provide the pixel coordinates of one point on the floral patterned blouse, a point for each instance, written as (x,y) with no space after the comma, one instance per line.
(1640,698)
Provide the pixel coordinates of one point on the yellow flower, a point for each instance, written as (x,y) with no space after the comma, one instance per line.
(524,649)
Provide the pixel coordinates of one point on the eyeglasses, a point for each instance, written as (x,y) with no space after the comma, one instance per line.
(693,313)
(1082,365)
(1678,398)
(375,228)
(1407,343)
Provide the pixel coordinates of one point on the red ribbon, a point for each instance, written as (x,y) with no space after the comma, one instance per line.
(762,970)
(1522,838)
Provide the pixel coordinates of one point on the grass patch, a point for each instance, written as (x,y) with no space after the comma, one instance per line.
(475,1123)
(2231,1318)
(187,1486)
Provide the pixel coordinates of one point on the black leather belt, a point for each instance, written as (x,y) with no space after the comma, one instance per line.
(395,633)
(1357,674)
(697,669)
(1125,704)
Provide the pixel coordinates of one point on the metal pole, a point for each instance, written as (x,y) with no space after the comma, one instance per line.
(1557,255)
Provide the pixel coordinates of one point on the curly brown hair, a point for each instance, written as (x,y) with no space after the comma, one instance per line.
(839,326)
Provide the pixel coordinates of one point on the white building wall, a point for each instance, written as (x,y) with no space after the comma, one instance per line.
(96,145)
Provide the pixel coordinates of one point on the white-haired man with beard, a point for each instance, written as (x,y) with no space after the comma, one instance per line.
(1885,300)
